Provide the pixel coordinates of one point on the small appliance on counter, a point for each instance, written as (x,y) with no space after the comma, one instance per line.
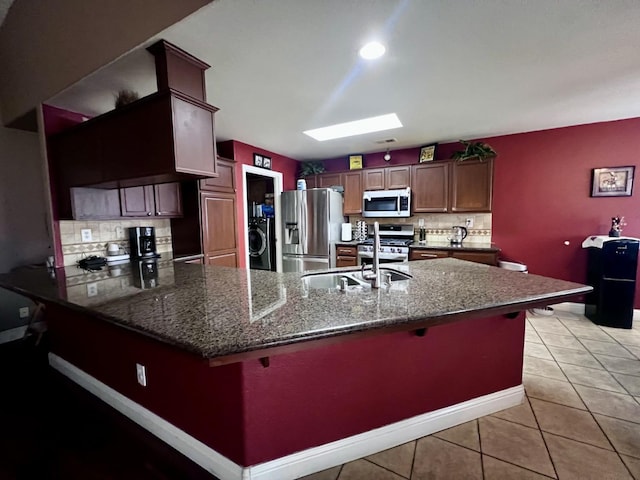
(142,241)
(116,255)
(458,234)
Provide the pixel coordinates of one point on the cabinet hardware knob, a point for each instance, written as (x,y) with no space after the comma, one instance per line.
(149,214)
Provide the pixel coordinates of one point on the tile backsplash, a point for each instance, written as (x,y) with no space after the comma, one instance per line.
(438,225)
(104,232)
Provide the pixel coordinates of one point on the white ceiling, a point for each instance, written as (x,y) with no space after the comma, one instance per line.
(453,69)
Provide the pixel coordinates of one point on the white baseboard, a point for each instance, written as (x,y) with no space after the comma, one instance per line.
(12,334)
(573,307)
(307,461)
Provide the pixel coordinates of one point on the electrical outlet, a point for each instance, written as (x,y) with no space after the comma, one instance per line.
(119,234)
(24,312)
(141,374)
(85,235)
(92,289)
(469,223)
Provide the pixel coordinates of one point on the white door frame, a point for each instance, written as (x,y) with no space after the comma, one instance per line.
(277,190)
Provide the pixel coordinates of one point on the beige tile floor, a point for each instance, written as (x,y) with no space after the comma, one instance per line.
(580,418)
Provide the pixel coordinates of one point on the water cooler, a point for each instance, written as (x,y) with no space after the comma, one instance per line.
(611,271)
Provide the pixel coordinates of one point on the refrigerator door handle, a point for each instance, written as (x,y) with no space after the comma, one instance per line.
(619,279)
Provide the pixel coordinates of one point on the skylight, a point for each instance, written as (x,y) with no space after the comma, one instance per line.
(357,127)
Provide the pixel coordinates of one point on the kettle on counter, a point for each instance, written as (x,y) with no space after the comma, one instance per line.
(458,234)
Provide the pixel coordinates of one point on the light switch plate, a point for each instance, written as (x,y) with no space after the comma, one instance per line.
(85,235)
(24,312)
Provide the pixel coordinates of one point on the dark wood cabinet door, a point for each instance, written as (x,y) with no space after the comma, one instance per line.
(427,254)
(226,179)
(352,193)
(95,203)
(137,201)
(430,187)
(219,230)
(398,177)
(490,258)
(326,180)
(346,261)
(373,178)
(168,200)
(312,181)
(471,185)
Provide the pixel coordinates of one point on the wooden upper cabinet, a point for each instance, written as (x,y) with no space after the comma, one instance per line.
(352,193)
(226,179)
(373,179)
(163,200)
(327,180)
(398,177)
(168,200)
(471,185)
(137,201)
(430,187)
(387,178)
(312,181)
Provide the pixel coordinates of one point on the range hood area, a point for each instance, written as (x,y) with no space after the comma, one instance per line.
(167,136)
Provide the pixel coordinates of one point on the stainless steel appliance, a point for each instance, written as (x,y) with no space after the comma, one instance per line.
(262,244)
(394,245)
(311,222)
(458,234)
(611,271)
(386,203)
(142,241)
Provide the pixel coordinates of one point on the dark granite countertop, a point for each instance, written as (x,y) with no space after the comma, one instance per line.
(431,245)
(222,312)
(464,246)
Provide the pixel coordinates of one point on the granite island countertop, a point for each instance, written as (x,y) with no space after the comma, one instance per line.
(226,313)
(433,245)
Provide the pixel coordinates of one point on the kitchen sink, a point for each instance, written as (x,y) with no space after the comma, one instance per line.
(355,279)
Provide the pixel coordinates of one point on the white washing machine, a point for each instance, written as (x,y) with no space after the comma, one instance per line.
(262,245)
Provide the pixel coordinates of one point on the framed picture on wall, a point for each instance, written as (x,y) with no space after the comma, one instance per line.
(257,160)
(428,153)
(355,162)
(266,162)
(612,182)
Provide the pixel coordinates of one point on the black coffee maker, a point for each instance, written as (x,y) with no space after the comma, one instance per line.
(142,241)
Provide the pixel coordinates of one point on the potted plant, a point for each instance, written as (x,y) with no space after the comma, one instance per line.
(478,150)
(310,168)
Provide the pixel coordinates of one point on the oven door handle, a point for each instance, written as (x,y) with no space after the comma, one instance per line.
(384,256)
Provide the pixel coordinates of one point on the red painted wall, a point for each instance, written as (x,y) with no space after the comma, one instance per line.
(252,414)
(243,154)
(541,194)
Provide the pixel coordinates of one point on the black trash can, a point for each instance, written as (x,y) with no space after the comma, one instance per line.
(611,271)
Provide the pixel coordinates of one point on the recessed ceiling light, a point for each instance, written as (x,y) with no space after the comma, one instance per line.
(357,127)
(372,50)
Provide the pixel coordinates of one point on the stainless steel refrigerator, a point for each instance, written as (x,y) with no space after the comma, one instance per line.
(311,221)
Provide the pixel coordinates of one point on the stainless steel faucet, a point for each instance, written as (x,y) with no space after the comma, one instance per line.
(374,278)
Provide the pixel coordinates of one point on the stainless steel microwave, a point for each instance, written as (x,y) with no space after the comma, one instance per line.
(386,203)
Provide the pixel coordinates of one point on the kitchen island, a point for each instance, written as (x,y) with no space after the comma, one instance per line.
(254,373)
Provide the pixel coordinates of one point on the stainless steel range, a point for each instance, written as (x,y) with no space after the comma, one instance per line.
(394,245)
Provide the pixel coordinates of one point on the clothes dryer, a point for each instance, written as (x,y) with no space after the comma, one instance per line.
(262,244)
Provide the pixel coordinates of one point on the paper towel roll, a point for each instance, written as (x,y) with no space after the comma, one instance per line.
(346,232)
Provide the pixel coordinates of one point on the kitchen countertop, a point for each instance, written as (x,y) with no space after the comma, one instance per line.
(228,313)
(465,246)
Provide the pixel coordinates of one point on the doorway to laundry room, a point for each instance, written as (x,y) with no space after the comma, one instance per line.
(262,190)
